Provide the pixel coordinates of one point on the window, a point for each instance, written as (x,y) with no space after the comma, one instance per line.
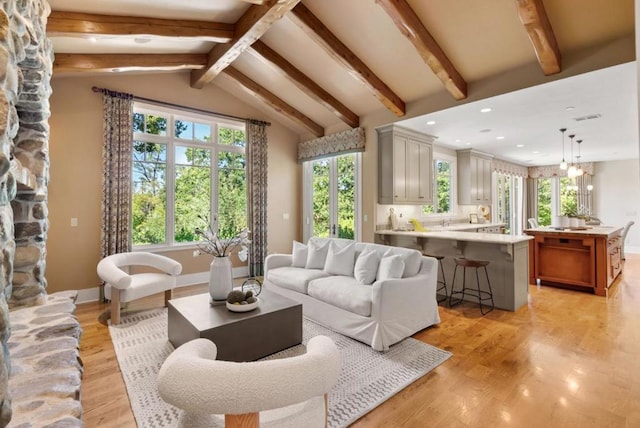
(331,195)
(544,201)
(508,201)
(556,196)
(185,167)
(568,197)
(443,188)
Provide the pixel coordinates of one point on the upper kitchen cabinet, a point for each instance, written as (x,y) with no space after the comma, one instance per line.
(405,166)
(474,177)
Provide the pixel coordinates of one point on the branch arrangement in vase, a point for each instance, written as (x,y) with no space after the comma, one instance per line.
(219,246)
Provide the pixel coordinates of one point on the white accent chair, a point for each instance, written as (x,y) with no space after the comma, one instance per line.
(122,286)
(286,392)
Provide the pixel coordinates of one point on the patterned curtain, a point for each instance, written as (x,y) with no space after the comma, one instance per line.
(257,194)
(531,200)
(116,172)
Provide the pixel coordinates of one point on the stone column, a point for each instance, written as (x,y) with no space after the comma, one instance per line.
(25,73)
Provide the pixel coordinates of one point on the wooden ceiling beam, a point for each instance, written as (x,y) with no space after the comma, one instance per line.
(254,89)
(404,17)
(318,32)
(536,22)
(122,62)
(84,24)
(308,86)
(249,28)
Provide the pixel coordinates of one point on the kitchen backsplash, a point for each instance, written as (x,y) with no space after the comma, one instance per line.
(404,213)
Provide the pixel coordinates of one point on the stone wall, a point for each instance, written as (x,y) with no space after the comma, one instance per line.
(25,73)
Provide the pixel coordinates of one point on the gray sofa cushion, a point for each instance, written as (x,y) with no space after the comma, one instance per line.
(344,292)
(293,278)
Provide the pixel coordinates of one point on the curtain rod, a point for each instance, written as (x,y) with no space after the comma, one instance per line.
(167,104)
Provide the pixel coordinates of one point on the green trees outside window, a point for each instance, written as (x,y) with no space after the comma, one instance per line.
(442,201)
(333,185)
(563,189)
(544,201)
(183,161)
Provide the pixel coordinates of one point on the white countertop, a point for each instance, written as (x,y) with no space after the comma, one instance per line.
(592,230)
(490,238)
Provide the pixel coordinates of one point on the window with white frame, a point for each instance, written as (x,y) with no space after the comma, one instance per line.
(187,169)
(443,185)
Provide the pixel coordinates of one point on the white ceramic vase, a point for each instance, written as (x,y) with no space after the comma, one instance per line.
(220,278)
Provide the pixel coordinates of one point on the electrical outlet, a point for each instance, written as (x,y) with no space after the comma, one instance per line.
(74,222)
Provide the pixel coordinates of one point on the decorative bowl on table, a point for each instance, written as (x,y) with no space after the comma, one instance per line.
(239,307)
(241,301)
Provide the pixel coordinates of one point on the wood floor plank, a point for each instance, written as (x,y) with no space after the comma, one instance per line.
(568,358)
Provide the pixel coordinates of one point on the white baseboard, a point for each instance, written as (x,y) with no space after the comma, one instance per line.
(87,295)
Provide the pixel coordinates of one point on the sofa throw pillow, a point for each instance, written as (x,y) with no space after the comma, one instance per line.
(412,261)
(340,260)
(316,254)
(299,255)
(366,267)
(391,267)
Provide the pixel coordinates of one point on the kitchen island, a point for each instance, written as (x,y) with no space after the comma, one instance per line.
(586,258)
(508,256)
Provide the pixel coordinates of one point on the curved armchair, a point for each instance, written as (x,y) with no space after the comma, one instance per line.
(122,286)
(287,392)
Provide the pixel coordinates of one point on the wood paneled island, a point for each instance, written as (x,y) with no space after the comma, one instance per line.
(586,259)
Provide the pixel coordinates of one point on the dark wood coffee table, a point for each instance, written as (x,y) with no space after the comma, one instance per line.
(240,336)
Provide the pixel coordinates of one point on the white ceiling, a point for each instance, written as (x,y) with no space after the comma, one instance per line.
(532,118)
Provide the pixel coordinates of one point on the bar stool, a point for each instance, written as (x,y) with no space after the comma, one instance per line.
(482,295)
(442,285)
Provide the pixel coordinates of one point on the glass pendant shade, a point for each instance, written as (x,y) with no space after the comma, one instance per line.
(563,165)
(572,171)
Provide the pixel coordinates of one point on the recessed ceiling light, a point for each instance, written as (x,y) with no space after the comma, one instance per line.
(500,137)
(535,152)
(485,110)
(569,108)
(485,130)
(458,140)
(467,144)
(93,39)
(431,122)
(519,145)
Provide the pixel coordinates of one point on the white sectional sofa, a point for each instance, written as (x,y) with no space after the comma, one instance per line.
(376,294)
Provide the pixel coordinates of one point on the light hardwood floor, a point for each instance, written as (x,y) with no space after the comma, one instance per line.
(568,359)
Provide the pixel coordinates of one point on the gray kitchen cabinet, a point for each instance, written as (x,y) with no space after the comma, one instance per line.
(474,177)
(405,166)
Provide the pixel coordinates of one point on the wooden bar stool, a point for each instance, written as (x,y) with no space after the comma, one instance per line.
(481,295)
(442,285)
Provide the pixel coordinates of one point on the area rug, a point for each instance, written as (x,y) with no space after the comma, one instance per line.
(367,378)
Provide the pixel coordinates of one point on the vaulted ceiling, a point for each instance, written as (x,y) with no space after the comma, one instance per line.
(322,64)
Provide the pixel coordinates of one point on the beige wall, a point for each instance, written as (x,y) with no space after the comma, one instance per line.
(76,171)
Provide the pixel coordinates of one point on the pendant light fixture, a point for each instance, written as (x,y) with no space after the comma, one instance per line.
(563,164)
(579,170)
(572,170)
